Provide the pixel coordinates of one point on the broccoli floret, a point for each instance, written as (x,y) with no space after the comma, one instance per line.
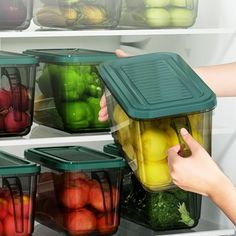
(165,210)
(180,194)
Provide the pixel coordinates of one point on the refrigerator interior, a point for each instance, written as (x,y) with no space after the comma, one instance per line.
(197,49)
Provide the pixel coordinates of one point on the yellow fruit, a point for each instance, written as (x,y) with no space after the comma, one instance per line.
(154,174)
(197,136)
(173,138)
(195,120)
(154,145)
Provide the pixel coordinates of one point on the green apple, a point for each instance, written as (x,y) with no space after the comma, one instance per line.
(181,17)
(181,3)
(157,3)
(157,17)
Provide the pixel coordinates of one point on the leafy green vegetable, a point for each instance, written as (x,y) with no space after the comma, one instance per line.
(167,210)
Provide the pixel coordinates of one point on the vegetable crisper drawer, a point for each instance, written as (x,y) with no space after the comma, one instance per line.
(78,189)
(150,98)
(77,14)
(160,211)
(69,88)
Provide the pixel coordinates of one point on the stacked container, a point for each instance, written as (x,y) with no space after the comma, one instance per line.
(158,13)
(69,89)
(78,189)
(18,178)
(16,93)
(15,14)
(77,14)
(150,98)
(160,211)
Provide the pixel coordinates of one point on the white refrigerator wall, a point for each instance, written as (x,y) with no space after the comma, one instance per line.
(196,49)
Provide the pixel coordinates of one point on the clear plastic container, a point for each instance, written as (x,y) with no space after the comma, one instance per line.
(78,189)
(161,211)
(15,14)
(18,182)
(158,13)
(77,14)
(16,93)
(150,98)
(68,89)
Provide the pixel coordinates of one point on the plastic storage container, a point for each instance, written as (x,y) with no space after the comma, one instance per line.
(76,14)
(15,14)
(16,93)
(149,98)
(158,13)
(18,178)
(165,210)
(69,89)
(78,190)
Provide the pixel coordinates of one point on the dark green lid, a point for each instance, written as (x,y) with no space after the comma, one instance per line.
(70,55)
(12,58)
(73,158)
(13,165)
(112,148)
(156,85)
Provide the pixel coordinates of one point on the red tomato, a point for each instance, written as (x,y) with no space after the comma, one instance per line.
(21,228)
(81,221)
(1,228)
(108,223)
(76,195)
(70,176)
(27,206)
(3,208)
(102,203)
(16,121)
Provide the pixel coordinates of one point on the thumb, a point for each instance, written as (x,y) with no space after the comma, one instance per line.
(189,140)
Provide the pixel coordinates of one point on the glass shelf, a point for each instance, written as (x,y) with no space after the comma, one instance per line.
(128,32)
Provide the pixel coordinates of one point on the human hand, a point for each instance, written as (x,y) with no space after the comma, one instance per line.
(196,173)
(103,115)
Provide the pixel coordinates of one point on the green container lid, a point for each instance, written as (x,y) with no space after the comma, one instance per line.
(70,55)
(156,85)
(12,58)
(73,158)
(13,165)
(112,148)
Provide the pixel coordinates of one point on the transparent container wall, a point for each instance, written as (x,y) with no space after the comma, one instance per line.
(17,86)
(158,13)
(15,14)
(145,142)
(80,202)
(68,97)
(166,210)
(17,194)
(77,14)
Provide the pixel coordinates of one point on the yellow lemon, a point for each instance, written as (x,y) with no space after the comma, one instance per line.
(195,120)
(154,145)
(197,136)
(123,135)
(154,175)
(173,138)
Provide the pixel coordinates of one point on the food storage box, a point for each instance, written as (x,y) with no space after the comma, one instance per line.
(78,190)
(69,88)
(170,209)
(150,98)
(16,93)
(158,13)
(18,178)
(76,14)
(15,14)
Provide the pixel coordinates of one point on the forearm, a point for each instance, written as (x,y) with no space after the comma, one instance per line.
(224,196)
(220,78)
